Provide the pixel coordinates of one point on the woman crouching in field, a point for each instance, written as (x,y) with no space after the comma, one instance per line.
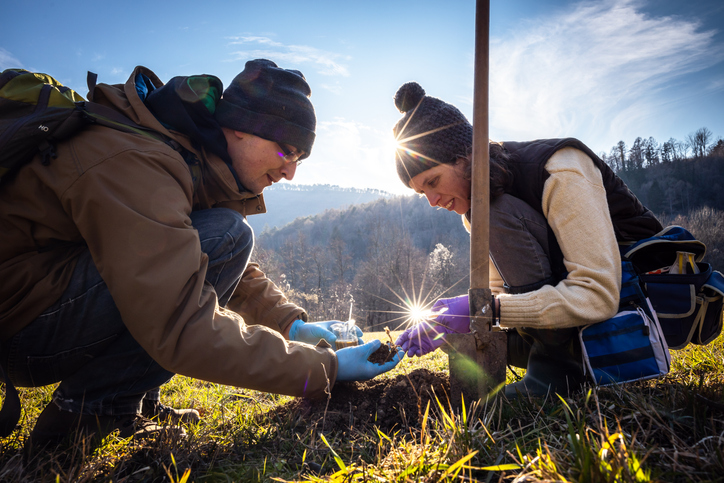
(557,216)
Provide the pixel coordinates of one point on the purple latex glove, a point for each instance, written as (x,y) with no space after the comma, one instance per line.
(428,335)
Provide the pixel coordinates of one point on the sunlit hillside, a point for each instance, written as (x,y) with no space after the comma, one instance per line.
(285,202)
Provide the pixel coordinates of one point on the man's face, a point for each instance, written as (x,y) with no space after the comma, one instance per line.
(258,163)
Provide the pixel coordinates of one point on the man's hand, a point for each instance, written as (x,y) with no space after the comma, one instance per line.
(354,366)
(313,332)
(428,335)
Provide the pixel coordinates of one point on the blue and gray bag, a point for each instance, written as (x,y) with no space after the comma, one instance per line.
(669,298)
(630,346)
(686,293)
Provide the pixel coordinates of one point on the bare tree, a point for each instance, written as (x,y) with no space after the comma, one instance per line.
(289,262)
(651,151)
(303,268)
(617,157)
(699,141)
(340,257)
(682,150)
(667,151)
(671,151)
(636,154)
(441,265)
(674,150)
(621,150)
(318,262)
(717,150)
(609,160)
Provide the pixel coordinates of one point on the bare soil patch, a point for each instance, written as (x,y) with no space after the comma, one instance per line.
(385,403)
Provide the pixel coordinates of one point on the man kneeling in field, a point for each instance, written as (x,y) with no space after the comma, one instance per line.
(125,260)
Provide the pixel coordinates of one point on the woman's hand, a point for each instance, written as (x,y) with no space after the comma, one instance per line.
(429,335)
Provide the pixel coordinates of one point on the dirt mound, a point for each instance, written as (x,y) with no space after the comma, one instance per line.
(385,403)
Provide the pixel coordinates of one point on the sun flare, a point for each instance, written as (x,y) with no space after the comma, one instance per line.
(417,313)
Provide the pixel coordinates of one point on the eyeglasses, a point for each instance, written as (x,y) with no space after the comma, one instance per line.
(289,155)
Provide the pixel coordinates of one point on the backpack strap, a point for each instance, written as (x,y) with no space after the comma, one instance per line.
(104,116)
(91,80)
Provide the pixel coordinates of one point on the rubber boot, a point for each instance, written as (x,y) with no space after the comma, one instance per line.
(555,364)
(156,411)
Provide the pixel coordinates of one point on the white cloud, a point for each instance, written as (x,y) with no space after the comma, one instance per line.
(8,60)
(598,66)
(327,63)
(349,153)
(257,39)
(120,73)
(333,88)
(716,84)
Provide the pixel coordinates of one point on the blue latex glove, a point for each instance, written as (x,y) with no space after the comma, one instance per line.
(429,335)
(354,366)
(313,332)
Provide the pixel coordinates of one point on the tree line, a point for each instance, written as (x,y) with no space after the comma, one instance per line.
(675,177)
(647,152)
(386,255)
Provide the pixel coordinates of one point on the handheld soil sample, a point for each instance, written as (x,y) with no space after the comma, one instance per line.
(386,352)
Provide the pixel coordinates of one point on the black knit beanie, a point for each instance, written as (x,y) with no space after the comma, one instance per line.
(270,102)
(431,132)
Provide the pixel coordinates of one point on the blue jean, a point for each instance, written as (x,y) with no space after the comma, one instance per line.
(82,342)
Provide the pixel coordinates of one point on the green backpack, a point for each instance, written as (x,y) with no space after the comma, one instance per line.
(37,111)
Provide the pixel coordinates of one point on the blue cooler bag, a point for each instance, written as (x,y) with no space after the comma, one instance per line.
(629,346)
(686,294)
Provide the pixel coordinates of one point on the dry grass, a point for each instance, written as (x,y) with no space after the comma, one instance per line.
(666,430)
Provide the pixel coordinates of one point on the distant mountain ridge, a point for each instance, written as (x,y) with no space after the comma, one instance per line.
(287,202)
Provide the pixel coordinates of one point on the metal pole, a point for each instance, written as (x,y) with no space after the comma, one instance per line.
(478,360)
(480,189)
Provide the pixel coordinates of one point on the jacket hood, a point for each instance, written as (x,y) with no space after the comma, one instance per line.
(218,182)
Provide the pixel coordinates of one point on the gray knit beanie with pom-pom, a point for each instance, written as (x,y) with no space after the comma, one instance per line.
(431,132)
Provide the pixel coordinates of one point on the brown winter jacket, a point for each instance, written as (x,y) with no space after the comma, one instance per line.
(127,199)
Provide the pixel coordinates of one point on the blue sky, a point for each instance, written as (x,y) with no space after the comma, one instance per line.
(602,71)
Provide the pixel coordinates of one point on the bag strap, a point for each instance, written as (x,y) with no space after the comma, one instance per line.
(91,80)
(105,116)
(715,282)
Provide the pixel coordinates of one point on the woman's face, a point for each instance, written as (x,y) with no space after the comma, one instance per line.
(445,186)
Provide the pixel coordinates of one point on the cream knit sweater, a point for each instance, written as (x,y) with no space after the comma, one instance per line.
(574,203)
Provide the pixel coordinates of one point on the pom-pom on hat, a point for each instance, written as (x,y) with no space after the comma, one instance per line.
(272,103)
(431,132)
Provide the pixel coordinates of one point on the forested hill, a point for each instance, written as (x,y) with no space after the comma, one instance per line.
(285,202)
(373,254)
(678,187)
(379,222)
